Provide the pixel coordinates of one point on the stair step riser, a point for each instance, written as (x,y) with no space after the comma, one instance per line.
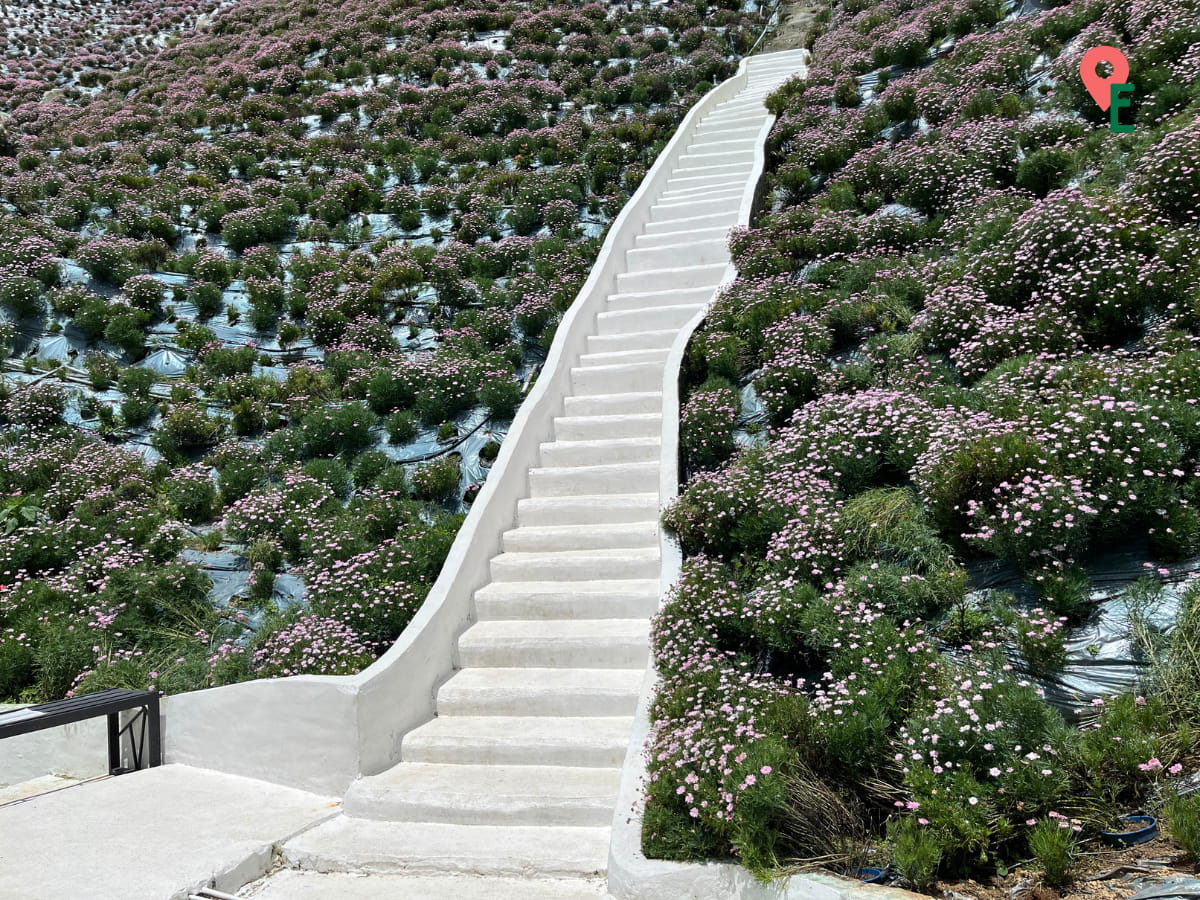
(615,405)
(453,856)
(701,175)
(656,300)
(674,212)
(673,238)
(573,568)
(587,453)
(564,538)
(396,807)
(634,321)
(698,220)
(633,377)
(703,252)
(724,192)
(598,428)
(668,279)
(563,654)
(565,606)
(624,356)
(418,748)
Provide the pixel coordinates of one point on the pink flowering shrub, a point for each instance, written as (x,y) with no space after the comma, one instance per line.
(969,314)
(311,645)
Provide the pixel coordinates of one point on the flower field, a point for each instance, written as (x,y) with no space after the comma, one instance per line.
(951,393)
(274,277)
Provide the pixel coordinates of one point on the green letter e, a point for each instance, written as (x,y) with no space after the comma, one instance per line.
(1115,105)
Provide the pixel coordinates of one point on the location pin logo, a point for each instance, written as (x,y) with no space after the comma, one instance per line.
(1098,87)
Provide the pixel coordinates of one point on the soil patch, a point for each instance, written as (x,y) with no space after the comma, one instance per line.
(794,21)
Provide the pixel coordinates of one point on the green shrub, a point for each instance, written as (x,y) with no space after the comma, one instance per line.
(184,430)
(333,473)
(1182,814)
(1053,843)
(193,494)
(437,480)
(501,397)
(340,429)
(401,428)
(915,853)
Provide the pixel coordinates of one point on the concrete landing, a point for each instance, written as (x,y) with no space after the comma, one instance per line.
(292,885)
(149,835)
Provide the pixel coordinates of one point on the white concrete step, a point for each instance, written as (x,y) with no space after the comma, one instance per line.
(588,741)
(293,884)
(674,238)
(709,251)
(700,220)
(651,299)
(555,538)
(703,157)
(669,278)
(607,509)
(709,178)
(726,207)
(557,644)
(616,357)
(430,793)
(706,134)
(506,600)
(428,848)
(744,143)
(704,250)
(618,379)
(541,692)
(577,565)
(595,428)
(639,402)
(661,338)
(708,171)
(602,451)
(746,117)
(632,321)
(731,189)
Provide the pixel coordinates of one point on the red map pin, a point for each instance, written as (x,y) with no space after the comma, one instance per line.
(1097,86)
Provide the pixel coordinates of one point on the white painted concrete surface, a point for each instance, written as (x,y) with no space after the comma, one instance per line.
(151,835)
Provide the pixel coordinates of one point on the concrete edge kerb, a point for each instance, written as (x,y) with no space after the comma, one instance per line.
(321,732)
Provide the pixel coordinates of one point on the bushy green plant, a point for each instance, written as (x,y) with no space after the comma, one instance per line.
(401,428)
(915,853)
(1054,845)
(1182,814)
(333,473)
(340,429)
(436,480)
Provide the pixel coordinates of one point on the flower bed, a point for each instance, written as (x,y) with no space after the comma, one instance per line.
(288,270)
(971,319)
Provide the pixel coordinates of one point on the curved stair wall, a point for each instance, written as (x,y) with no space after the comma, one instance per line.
(321,732)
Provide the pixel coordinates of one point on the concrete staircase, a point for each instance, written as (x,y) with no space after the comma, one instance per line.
(517,776)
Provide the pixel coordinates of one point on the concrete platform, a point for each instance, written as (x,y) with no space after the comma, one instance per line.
(292,885)
(149,835)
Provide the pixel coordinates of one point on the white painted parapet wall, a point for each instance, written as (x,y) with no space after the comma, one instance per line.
(320,732)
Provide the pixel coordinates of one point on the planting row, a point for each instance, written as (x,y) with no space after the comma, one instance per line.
(271,294)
